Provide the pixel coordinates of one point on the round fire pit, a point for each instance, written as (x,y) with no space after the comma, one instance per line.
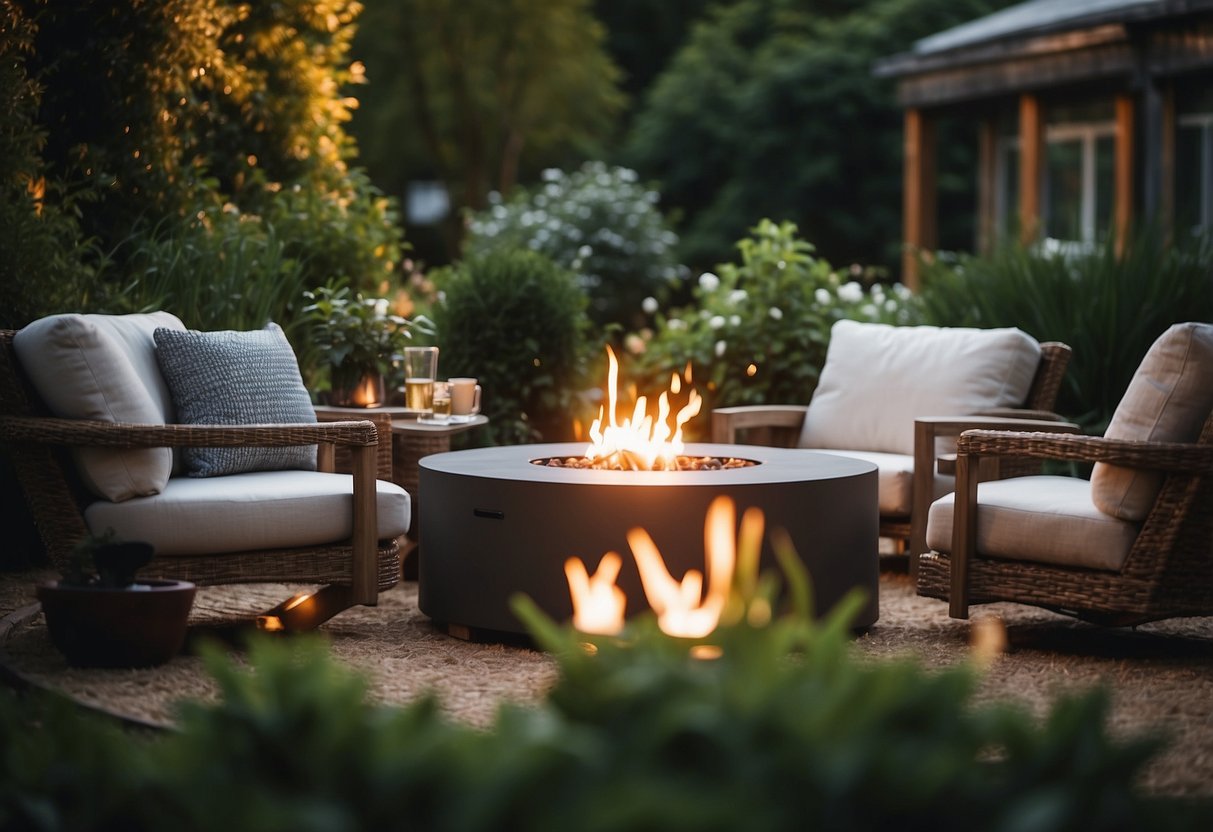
(493,524)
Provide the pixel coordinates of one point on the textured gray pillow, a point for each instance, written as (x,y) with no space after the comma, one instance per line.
(236,378)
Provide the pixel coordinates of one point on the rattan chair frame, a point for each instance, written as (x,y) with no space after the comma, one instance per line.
(1169,569)
(781,425)
(353,571)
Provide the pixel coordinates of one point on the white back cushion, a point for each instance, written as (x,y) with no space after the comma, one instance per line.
(878,379)
(1168,400)
(104,367)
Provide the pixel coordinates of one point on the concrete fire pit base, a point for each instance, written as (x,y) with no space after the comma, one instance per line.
(492,525)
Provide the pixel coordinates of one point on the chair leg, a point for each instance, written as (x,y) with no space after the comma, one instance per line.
(305,611)
(964,534)
(921,492)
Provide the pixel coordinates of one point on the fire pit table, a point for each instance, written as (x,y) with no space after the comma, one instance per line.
(494,523)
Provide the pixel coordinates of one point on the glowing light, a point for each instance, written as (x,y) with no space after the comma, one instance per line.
(640,442)
(682,607)
(598,604)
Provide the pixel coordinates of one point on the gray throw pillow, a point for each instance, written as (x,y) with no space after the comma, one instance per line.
(236,378)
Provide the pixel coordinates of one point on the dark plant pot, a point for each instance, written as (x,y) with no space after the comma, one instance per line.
(96,627)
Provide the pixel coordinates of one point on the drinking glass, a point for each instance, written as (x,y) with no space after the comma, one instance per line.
(420,370)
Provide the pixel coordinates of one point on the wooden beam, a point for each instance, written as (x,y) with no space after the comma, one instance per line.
(1031,166)
(1123,204)
(919,201)
(1166,185)
(987,186)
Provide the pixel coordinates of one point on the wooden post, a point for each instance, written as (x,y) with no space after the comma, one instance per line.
(987,187)
(1123,205)
(1031,162)
(1166,189)
(919,221)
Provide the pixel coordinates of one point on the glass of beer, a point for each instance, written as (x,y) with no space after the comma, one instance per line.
(420,370)
(442,403)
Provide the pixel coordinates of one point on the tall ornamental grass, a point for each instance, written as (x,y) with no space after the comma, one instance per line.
(1108,306)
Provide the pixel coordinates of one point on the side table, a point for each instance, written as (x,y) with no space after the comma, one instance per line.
(411,440)
(381,416)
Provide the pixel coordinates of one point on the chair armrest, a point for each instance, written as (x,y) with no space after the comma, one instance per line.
(727,421)
(1180,457)
(1022,413)
(53,431)
(943,426)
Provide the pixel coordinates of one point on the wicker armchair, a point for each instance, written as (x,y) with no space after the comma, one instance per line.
(1133,544)
(1169,570)
(351,572)
(932,461)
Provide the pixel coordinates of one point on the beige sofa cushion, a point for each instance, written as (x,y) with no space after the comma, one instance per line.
(1041,519)
(246,512)
(104,367)
(895,474)
(878,379)
(1168,400)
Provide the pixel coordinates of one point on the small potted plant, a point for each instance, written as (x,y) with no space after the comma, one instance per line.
(98,615)
(358,337)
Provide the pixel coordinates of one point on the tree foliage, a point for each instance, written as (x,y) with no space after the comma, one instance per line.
(771,109)
(148,116)
(479,93)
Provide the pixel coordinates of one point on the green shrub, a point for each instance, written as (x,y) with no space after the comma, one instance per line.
(516,321)
(1108,307)
(599,222)
(45,261)
(772,313)
(784,731)
(217,269)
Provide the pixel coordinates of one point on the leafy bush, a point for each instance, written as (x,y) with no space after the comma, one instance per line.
(516,321)
(1108,307)
(784,730)
(218,269)
(599,222)
(210,152)
(758,331)
(44,259)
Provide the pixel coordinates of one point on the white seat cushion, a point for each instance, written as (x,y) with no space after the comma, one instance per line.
(246,512)
(1041,519)
(104,367)
(1168,400)
(878,379)
(895,473)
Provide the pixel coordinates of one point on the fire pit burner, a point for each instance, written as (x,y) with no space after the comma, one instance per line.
(681,463)
(492,523)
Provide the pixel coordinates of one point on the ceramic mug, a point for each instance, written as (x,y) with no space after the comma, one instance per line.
(465,396)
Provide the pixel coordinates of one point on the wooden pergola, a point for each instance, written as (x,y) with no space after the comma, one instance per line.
(1142,50)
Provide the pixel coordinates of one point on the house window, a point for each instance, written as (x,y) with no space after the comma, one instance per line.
(1078,184)
(1194,172)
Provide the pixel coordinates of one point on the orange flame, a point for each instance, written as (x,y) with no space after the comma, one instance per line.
(682,608)
(598,605)
(640,442)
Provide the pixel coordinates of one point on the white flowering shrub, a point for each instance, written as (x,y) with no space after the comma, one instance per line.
(599,222)
(757,332)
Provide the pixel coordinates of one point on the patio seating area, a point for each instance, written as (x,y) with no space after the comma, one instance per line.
(705,416)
